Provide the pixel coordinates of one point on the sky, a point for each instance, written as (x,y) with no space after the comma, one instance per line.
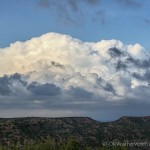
(88,20)
(74,58)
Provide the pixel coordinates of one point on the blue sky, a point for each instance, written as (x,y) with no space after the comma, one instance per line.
(88,20)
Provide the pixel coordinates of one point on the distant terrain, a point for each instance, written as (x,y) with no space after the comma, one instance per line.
(86,131)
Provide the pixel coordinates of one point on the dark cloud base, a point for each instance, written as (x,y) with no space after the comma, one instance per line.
(48,100)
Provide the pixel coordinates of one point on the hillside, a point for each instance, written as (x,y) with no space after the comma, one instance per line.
(86,131)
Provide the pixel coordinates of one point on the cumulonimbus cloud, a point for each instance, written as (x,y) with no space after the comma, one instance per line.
(57,69)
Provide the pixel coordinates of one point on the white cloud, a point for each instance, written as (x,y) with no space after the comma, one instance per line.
(61,56)
(107,70)
(138,52)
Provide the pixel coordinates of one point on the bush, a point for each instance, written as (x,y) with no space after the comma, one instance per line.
(50,144)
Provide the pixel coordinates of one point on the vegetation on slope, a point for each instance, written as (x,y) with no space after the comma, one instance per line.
(50,144)
(85,131)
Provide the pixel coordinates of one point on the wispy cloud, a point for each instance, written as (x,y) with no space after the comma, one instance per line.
(130,3)
(100,16)
(69,11)
(147,21)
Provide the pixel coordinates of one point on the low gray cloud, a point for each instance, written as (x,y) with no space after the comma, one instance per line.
(147,75)
(110,88)
(100,109)
(144,77)
(43,89)
(4,86)
(47,101)
(78,92)
(7,83)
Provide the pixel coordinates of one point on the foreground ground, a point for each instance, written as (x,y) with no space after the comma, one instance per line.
(84,132)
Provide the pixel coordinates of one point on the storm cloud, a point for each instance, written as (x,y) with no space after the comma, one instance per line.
(65,76)
(43,89)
